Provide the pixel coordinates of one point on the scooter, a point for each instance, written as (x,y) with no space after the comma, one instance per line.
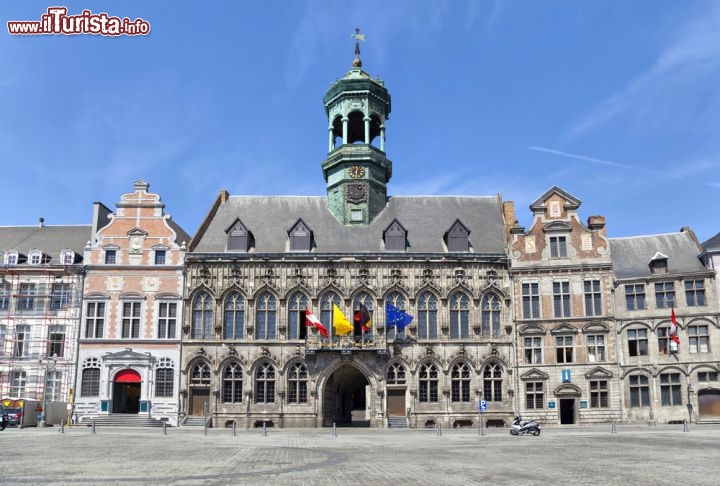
(4,421)
(519,428)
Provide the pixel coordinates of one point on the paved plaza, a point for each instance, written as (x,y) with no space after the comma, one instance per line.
(185,456)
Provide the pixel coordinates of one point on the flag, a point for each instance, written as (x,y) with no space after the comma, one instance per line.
(340,323)
(673,327)
(362,318)
(397,318)
(312,321)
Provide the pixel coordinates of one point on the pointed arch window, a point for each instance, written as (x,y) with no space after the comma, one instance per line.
(396,374)
(396,299)
(232,383)
(457,237)
(428,383)
(297,383)
(490,305)
(200,374)
(427,316)
(234,322)
(266,314)
(326,310)
(238,237)
(459,316)
(301,237)
(297,304)
(395,237)
(265,383)
(460,382)
(364,299)
(202,316)
(492,383)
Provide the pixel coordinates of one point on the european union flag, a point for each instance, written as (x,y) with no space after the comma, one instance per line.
(396,318)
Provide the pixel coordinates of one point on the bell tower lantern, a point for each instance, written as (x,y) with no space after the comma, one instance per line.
(356,169)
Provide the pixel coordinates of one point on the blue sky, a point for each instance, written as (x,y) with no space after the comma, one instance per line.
(617,102)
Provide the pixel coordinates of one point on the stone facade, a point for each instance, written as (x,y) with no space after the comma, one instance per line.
(132,312)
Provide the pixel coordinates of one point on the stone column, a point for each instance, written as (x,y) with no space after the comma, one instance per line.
(382,138)
(345,130)
(331,139)
(367,129)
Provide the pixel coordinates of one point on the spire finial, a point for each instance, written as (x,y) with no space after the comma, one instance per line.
(358,37)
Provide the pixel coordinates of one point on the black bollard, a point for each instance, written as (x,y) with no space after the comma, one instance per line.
(62,426)
(233,430)
(93,426)
(164,428)
(613,430)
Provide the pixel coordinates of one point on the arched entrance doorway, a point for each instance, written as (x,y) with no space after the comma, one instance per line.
(345,398)
(126,392)
(709,403)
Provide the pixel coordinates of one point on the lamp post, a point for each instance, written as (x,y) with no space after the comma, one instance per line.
(50,364)
(690,393)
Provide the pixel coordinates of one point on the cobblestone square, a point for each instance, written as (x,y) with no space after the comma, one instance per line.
(634,455)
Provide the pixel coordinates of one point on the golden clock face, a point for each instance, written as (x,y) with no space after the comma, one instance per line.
(356,171)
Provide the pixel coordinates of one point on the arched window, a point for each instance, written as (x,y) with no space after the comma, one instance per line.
(492,383)
(232,383)
(428,383)
(297,383)
(396,299)
(459,316)
(363,298)
(234,322)
(326,310)
(266,314)
(202,316)
(427,316)
(265,383)
(460,378)
(297,304)
(396,374)
(90,386)
(200,374)
(164,378)
(490,315)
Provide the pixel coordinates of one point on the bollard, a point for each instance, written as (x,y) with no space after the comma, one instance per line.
(685,426)
(93,425)
(439,429)
(334,430)
(233,430)
(62,426)
(613,430)
(164,428)
(264,428)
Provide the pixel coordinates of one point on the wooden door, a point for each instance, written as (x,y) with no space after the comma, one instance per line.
(198,398)
(709,403)
(396,401)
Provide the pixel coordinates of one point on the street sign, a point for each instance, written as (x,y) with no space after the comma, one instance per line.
(483,405)
(566,375)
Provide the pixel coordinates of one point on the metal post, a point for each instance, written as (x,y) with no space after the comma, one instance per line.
(62,426)
(685,426)
(164,428)
(233,430)
(205,417)
(439,429)
(613,430)
(264,428)
(334,430)
(482,424)
(93,426)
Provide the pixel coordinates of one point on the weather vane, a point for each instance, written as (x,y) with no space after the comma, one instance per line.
(358,37)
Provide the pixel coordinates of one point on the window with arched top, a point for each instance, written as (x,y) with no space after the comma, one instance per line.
(459,316)
(265,316)
(490,305)
(397,300)
(460,383)
(202,316)
(200,374)
(164,378)
(427,316)
(492,382)
(265,383)
(428,383)
(326,310)
(396,374)
(234,318)
(297,303)
(297,383)
(90,383)
(232,383)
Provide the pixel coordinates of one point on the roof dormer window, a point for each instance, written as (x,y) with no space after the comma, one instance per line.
(11,258)
(36,257)
(67,257)
(300,237)
(238,237)
(457,237)
(395,237)
(659,264)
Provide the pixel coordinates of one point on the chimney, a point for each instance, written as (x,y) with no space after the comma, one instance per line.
(41,222)
(597,223)
(508,209)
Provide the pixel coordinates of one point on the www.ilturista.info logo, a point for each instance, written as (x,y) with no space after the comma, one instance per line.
(57,21)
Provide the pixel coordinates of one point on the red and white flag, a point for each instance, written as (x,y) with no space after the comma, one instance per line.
(673,327)
(312,321)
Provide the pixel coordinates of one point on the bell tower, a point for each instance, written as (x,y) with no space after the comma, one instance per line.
(356,169)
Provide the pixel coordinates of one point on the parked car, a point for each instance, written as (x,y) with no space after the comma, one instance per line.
(14,416)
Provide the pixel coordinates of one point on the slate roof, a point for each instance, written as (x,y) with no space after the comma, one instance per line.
(713,244)
(426,219)
(631,256)
(48,239)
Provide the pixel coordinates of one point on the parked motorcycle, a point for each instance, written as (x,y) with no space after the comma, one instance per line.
(518,427)
(4,420)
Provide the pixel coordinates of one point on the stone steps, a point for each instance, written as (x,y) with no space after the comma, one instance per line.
(122,420)
(399,422)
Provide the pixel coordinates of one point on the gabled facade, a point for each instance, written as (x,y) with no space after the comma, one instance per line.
(41,283)
(663,381)
(562,285)
(129,359)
